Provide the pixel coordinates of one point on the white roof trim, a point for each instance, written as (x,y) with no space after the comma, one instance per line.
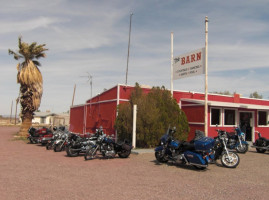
(227,104)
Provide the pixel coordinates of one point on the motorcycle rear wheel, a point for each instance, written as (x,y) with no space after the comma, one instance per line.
(231,160)
(160,158)
(260,142)
(124,153)
(242,149)
(71,153)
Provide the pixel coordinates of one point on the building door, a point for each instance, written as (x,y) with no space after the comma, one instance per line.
(246,124)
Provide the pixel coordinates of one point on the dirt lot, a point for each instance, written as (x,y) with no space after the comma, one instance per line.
(29,171)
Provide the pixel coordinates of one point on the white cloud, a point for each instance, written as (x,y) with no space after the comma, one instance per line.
(27,25)
(92,36)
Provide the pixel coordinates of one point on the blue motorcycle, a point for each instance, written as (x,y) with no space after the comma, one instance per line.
(237,141)
(198,152)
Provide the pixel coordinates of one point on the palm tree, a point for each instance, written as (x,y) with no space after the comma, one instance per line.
(30,79)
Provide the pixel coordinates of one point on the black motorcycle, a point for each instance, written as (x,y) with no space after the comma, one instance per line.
(261,144)
(228,159)
(108,147)
(77,144)
(57,132)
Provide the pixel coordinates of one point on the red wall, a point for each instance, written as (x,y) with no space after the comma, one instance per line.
(102,114)
(76,119)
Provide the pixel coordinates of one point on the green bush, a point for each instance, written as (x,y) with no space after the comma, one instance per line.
(155,113)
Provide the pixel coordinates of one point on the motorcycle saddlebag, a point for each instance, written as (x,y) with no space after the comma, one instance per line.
(126,146)
(195,158)
(203,144)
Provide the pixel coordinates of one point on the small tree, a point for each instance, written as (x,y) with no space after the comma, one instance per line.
(255,95)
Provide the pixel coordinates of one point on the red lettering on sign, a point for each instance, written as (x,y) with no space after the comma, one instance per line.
(191,58)
(187,59)
(198,56)
(182,60)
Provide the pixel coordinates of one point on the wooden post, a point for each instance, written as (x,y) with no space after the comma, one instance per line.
(134,126)
(206,86)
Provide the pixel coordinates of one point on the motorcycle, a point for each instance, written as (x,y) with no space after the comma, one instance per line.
(108,147)
(36,135)
(77,144)
(61,142)
(228,159)
(197,152)
(57,131)
(261,144)
(237,141)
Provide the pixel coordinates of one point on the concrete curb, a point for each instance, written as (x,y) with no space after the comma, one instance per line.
(141,151)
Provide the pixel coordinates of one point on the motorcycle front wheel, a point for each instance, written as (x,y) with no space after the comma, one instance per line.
(32,141)
(89,155)
(58,147)
(49,145)
(70,152)
(160,158)
(230,160)
(242,149)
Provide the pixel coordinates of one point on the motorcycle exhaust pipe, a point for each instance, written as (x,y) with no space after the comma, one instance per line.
(197,165)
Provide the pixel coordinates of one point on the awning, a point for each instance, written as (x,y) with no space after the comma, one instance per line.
(225,104)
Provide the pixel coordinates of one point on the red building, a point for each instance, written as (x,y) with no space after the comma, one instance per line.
(225,111)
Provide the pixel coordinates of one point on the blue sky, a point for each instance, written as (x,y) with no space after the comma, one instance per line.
(87,36)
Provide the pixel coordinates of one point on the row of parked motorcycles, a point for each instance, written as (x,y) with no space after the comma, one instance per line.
(202,150)
(199,152)
(91,145)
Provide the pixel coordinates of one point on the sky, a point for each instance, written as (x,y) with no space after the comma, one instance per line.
(89,37)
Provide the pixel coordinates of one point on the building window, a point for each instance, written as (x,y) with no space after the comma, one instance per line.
(262,118)
(42,120)
(229,117)
(215,116)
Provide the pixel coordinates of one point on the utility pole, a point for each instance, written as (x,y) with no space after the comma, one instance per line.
(11,112)
(74,92)
(128,48)
(17,101)
(172,62)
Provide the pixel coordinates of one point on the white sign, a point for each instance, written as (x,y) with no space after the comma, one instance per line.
(189,64)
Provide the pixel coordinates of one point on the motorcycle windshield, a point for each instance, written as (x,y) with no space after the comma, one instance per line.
(164,138)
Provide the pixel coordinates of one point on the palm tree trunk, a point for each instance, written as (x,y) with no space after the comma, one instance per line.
(26,124)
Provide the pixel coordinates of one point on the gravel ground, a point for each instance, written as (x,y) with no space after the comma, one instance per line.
(29,171)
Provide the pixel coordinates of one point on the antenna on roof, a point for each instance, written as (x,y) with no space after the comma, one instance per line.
(89,80)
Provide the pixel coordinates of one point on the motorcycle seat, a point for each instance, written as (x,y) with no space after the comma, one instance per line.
(187,146)
(231,135)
